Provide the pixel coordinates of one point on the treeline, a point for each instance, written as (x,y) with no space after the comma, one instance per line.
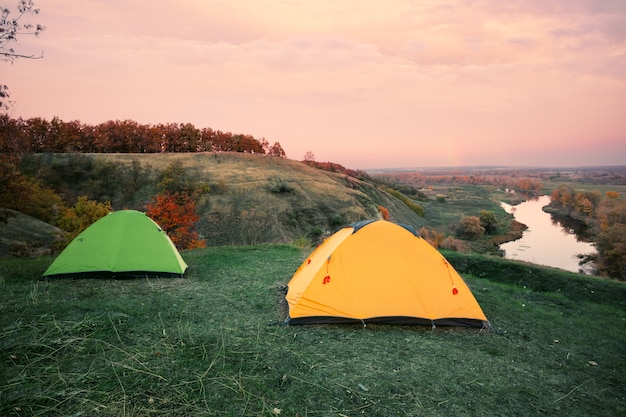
(38,135)
(607,217)
(338,168)
(421,181)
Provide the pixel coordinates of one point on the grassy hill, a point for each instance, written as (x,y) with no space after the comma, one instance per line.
(251,198)
(22,234)
(206,345)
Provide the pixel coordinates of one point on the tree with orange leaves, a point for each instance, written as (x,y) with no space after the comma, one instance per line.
(176,214)
(384,212)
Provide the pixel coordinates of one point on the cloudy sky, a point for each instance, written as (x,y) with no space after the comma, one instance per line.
(364,83)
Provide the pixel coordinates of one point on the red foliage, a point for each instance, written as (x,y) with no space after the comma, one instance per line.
(176,214)
(21,136)
(384,212)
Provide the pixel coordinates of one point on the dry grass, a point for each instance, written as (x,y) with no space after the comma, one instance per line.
(287,199)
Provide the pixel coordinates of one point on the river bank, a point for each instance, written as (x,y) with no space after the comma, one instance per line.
(546,242)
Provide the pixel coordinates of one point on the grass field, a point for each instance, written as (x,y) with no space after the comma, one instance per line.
(208,345)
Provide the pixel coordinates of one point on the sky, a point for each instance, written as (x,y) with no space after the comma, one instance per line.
(367,84)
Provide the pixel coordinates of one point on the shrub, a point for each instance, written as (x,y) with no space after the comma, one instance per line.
(175,213)
(336,220)
(280,186)
(488,221)
(384,212)
(80,216)
(302,242)
(416,208)
(431,236)
(471,228)
(456,245)
(316,234)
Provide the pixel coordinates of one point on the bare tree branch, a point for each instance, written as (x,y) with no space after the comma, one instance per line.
(10,29)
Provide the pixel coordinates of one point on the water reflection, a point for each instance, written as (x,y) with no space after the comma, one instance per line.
(545,242)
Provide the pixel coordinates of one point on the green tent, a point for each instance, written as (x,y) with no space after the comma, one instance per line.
(122,243)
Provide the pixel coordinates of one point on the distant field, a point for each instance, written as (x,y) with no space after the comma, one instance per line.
(584,186)
(208,345)
(460,201)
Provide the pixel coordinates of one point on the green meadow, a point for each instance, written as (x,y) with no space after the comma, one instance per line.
(211,344)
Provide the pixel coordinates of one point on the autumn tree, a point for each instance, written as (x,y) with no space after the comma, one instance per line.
(384,212)
(11,140)
(611,239)
(611,246)
(176,214)
(433,237)
(81,215)
(127,136)
(277,150)
(470,228)
(27,195)
(174,208)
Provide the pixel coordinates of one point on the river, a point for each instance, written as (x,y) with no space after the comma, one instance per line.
(544,243)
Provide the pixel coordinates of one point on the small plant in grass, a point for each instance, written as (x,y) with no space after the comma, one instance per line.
(456,245)
(384,212)
(280,186)
(302,242)
(316,233)
(336,220)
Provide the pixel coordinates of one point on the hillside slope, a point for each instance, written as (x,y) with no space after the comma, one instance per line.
(252,198)
(22,235)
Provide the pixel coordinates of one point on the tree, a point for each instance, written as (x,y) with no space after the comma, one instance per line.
(471,228)
(5,103)
(488,220)
(10,29)
(27,195)
(611,239)
(433,237)
(277,150)
(309,156)
(611,257)
(82,215)
(174,179)
(384,212)
(175,213)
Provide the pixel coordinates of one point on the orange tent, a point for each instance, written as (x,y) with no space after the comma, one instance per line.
(378,271)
